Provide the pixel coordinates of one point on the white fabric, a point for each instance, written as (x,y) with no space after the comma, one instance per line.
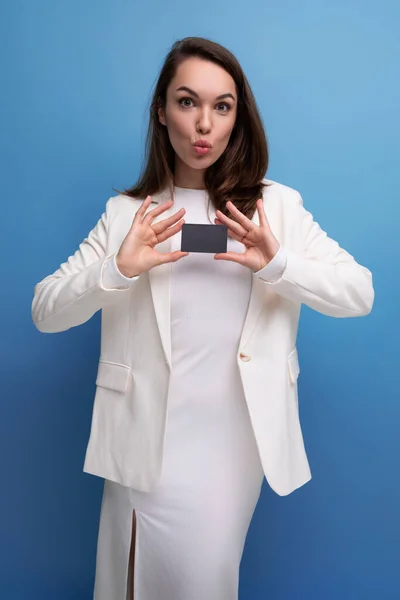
(192,528)
(274,270)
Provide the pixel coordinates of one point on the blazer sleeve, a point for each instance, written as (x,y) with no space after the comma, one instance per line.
(325,277)
(78,288)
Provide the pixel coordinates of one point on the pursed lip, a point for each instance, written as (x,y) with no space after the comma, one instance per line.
(203,144)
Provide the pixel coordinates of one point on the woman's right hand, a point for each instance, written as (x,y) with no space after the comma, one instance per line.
(137,253)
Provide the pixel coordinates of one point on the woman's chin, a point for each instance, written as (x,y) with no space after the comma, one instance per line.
(200,162)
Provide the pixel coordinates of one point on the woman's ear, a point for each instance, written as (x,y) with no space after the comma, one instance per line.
(161,116)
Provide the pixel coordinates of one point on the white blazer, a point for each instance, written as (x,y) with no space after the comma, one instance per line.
(131,400)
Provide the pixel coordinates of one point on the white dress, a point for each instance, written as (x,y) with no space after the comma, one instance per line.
(191,530)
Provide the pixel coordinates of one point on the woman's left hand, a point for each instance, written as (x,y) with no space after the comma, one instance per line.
(261,244)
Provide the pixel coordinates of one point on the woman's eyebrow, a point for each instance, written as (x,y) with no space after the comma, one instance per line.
(183,88)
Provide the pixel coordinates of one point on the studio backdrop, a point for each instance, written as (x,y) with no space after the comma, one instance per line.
(77,78)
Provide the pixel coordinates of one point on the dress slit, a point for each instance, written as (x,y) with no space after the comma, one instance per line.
(114,545)
(131,587)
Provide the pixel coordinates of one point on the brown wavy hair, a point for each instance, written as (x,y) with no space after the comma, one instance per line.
(237,174)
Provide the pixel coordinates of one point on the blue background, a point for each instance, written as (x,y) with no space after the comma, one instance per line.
(76,85)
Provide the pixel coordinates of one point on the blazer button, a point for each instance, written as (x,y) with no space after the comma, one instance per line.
(244,357)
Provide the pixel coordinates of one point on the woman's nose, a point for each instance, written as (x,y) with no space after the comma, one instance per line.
(204,123)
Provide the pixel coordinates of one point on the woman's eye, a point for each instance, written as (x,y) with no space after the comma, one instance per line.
(227,106)
(184,100)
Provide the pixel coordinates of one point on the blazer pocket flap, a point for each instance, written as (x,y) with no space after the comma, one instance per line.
(113,376)
(293,364)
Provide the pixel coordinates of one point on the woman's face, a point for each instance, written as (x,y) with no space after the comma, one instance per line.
(198,113)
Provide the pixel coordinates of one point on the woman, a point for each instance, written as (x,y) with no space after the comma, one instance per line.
(196,394)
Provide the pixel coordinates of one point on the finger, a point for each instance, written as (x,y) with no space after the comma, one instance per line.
(231,233)
(140,212)
(164,235)
(261,214)
(231,256)
(235,236)
(162,225)
(236,227)
(148,219)
(173,256)
(246,223)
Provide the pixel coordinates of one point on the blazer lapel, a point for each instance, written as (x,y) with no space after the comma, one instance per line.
(260,291)
(160,283)
(255,303)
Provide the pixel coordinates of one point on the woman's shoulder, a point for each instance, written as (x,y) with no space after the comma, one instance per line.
(280,191)
(125,203)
